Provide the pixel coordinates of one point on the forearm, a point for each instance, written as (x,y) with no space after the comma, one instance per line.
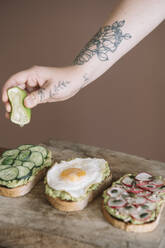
(128,24)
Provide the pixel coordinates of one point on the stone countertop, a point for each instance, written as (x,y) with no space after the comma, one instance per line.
(30,221)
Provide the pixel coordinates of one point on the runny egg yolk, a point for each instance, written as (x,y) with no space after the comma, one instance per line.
(72,174)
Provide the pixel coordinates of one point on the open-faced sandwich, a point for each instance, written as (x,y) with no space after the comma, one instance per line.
(70,185)
(22,168)
(134,202)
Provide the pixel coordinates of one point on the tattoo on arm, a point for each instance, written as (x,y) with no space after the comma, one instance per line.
(61,85)
(85,80)
(41,94)
(53,91)
(105,41)
(85,77)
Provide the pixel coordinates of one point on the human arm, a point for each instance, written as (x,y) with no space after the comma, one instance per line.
(129,23)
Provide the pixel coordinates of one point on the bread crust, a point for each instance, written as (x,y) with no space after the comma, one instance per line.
(69,206)
(129,227)
(22,189)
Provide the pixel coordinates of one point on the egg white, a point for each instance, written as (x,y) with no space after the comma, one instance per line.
(93,167)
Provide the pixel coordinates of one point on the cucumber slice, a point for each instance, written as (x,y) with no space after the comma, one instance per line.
(1,160)
(24,155)
(11,153)
(20,114)
(40,149)
(7,161)
(37,158)
(17,163)
(2,167)
(9,174)
(23,172)
(29,164)
(24,147)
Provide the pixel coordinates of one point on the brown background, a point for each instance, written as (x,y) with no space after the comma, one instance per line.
(122,110)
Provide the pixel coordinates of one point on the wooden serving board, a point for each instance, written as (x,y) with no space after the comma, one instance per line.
(30,221)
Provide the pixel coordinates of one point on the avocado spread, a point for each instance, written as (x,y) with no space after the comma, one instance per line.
(63,195)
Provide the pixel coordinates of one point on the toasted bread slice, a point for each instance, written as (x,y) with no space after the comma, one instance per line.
(22,189)
(146,227)
(69,206)
(29,173)
(127,202)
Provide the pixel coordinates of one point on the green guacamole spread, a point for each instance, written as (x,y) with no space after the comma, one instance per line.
(63,195)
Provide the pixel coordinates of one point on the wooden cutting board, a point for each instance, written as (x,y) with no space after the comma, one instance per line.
(30,221)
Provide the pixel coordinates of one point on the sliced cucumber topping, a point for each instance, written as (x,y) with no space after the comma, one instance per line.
(17,163)
(37,158)
(29,165)
(24,147)
(7,161)
(9,174)
(24,155)
(40,149)
(20,114)
(1,160)
(2,167)
(23,172)
(11,153)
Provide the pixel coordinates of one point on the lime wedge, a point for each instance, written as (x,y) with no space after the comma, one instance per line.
(19,114)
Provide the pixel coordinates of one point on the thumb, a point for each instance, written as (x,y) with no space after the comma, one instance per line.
(35,98)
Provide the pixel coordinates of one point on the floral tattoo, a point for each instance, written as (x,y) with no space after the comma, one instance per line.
(57,87)
(106,40)
(61,85)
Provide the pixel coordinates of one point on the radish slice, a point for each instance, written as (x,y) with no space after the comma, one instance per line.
(115,191)
(116,203)
(127,181)
(134,190)
(144,193)
(142,215)
(148,206)
(127,210)
(153,198)
(125,194)
(157,182)
(143,176)
(138,201)
(149,187)
(141,183)
(129,200)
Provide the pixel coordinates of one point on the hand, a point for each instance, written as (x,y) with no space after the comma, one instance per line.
(44,84)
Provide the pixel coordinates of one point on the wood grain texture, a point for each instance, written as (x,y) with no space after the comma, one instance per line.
(30,221)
